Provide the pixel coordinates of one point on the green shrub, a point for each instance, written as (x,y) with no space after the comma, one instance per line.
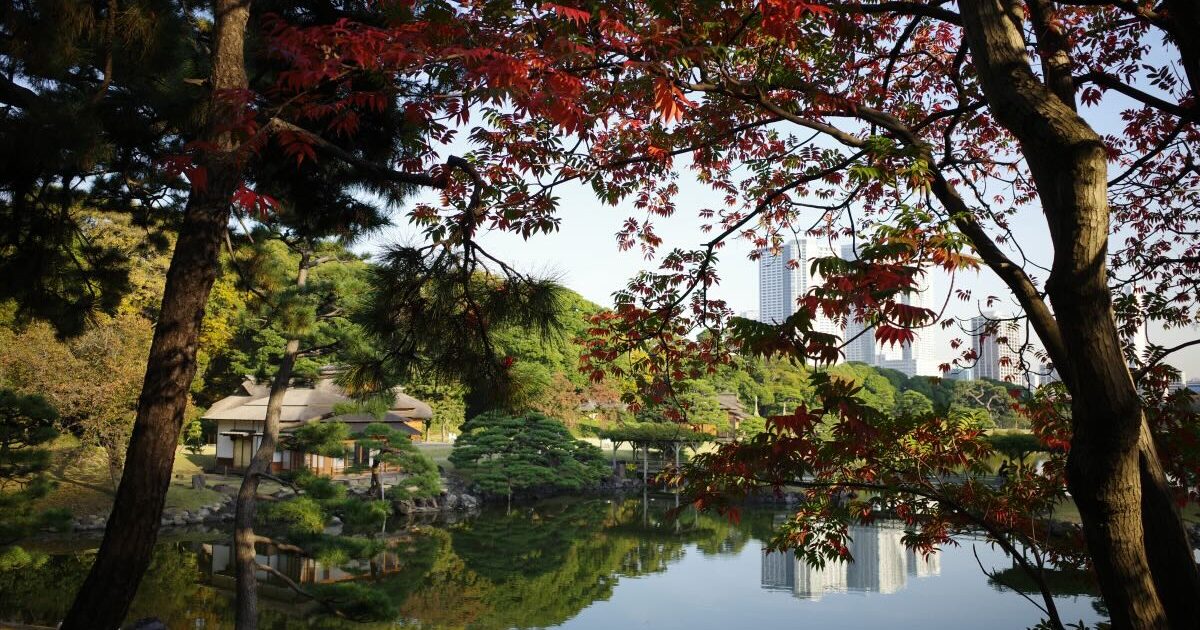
(302,515)
(504,454)
(320,488)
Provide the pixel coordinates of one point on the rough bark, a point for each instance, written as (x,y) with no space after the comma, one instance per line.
(103,600)
(1113,471)
(245,558)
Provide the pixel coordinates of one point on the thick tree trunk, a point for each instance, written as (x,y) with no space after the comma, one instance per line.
(1167,546)
(1136,539)
(245,558)
(132,527)
(103,600)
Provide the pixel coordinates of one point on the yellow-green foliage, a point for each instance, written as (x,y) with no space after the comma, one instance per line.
(302,515)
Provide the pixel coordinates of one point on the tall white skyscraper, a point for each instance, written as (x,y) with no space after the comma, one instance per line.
(781,285)
(784,277)
(916,357)
(910,358)
(859,338)
(994,360)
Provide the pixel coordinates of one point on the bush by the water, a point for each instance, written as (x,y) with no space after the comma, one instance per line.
(505,455)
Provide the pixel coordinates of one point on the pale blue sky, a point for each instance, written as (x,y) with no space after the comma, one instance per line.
(584,253)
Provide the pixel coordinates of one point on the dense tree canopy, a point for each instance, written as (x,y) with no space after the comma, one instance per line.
(505,455)
(919,130)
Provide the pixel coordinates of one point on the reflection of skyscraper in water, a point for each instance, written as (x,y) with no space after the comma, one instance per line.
(779,570)
(920,565)
(812,582)
(881,564)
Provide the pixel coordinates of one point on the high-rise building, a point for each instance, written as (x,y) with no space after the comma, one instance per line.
(860,342)
(750,314)
(859,338)
(915,358)
(993,359)
(785,276)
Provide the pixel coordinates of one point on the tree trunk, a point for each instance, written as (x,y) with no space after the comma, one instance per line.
(243,534)
(103,600)
(1134,534)
(376,478)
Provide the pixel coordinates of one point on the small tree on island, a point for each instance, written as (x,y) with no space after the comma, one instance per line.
(504,454)
(386,445)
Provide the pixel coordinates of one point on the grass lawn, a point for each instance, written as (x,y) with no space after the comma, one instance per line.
(84,485)
(1066,511)
(439,452)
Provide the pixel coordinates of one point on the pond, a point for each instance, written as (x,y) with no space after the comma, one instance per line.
(576,564)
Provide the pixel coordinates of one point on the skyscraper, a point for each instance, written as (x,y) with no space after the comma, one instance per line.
(784,277)
(781,285)
(994,360)
(910,358)
(915,357)
(859,338)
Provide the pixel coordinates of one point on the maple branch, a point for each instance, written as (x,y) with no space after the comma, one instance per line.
(934,10)
(1149,155)
(373,168)
(1111,82)
(1160,354)
(1054,50)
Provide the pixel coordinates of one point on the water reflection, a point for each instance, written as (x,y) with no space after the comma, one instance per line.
(579,564)
(881,565)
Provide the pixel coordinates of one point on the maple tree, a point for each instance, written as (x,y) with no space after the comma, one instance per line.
(920,129)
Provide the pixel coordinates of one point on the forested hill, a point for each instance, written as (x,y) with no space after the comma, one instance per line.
(93,379)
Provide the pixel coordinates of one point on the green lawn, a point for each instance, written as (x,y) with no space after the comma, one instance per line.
(439,452)
(85,488)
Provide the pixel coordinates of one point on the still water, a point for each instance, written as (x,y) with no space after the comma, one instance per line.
(578,564)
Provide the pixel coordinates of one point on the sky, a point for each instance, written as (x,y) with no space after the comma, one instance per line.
(584,256)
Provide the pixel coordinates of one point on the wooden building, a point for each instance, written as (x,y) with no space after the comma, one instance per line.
(240,419)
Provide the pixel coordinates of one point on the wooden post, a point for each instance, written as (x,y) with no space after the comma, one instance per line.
(645,465)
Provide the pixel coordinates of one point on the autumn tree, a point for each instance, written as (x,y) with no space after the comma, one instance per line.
(918,129)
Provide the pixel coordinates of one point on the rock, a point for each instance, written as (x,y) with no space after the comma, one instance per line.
(198,482)
(226,489)
(333,520)
(468,502)
(203,513)
(450,501)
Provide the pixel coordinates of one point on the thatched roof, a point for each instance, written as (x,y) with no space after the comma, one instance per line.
(305,404)
(731,405)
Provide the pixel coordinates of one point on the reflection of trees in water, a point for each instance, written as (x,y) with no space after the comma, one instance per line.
(538,566)
(498,571)
(41,594)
